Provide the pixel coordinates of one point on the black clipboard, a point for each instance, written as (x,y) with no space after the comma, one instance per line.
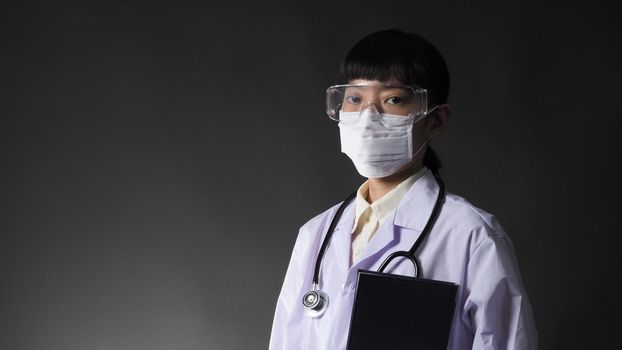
(401,312)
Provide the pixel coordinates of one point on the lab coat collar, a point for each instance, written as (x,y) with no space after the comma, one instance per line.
(412,213)
(386,205)
(416,207)
(409,219)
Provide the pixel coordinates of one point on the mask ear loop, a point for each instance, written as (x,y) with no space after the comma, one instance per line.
(425,143)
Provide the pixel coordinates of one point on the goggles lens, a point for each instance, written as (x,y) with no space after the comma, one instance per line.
(391,99)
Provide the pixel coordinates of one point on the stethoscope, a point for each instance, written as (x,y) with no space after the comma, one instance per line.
(315,301)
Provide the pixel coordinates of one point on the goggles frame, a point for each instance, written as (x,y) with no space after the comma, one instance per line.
(332,109)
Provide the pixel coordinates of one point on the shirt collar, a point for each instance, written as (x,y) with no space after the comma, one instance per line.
(384,206)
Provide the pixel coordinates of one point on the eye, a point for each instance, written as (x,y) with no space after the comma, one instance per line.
(353,99)
(394,100)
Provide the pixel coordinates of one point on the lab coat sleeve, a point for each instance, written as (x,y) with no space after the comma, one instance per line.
(285,316)
(496,304)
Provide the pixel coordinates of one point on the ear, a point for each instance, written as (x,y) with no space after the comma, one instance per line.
(437,121)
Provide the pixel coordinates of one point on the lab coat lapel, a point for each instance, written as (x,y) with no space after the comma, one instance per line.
(382,240)
(342,238)
(416,207)
(402,229)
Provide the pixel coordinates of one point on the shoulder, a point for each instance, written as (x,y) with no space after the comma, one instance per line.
(317,225)
(467,213)
(469,222)
(322,217)
(489,252)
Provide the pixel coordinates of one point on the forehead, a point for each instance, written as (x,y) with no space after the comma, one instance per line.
(375,87)
(365,81)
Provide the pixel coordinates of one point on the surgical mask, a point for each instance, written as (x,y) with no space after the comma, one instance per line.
(378,144)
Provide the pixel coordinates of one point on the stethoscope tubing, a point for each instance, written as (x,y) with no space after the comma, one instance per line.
(411,254)
(329,233)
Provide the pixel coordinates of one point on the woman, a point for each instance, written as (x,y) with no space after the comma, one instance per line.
(391,105)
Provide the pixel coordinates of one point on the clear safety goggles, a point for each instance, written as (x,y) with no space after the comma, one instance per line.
(394,99)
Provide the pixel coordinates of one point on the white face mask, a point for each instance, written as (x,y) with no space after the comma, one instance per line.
(378,144)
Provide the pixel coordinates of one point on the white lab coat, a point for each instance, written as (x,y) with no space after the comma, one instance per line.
(466,246)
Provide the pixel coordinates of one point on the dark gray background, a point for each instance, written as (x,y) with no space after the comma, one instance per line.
(156,160)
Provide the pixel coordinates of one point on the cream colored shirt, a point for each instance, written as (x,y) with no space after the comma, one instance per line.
(370,216)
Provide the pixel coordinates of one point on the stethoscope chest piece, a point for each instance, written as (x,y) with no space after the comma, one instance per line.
(315,302)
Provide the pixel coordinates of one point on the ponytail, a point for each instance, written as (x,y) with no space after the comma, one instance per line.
(431,161)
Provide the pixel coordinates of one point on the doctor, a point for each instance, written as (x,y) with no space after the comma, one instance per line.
(391,105)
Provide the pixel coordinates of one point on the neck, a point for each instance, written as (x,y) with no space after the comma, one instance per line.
(378,187)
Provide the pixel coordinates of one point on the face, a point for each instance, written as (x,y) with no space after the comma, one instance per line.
(400,102)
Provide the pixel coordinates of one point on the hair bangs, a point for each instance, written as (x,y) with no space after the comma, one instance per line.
(393,54)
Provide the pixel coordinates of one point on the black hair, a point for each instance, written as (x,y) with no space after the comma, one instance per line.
(407,57)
